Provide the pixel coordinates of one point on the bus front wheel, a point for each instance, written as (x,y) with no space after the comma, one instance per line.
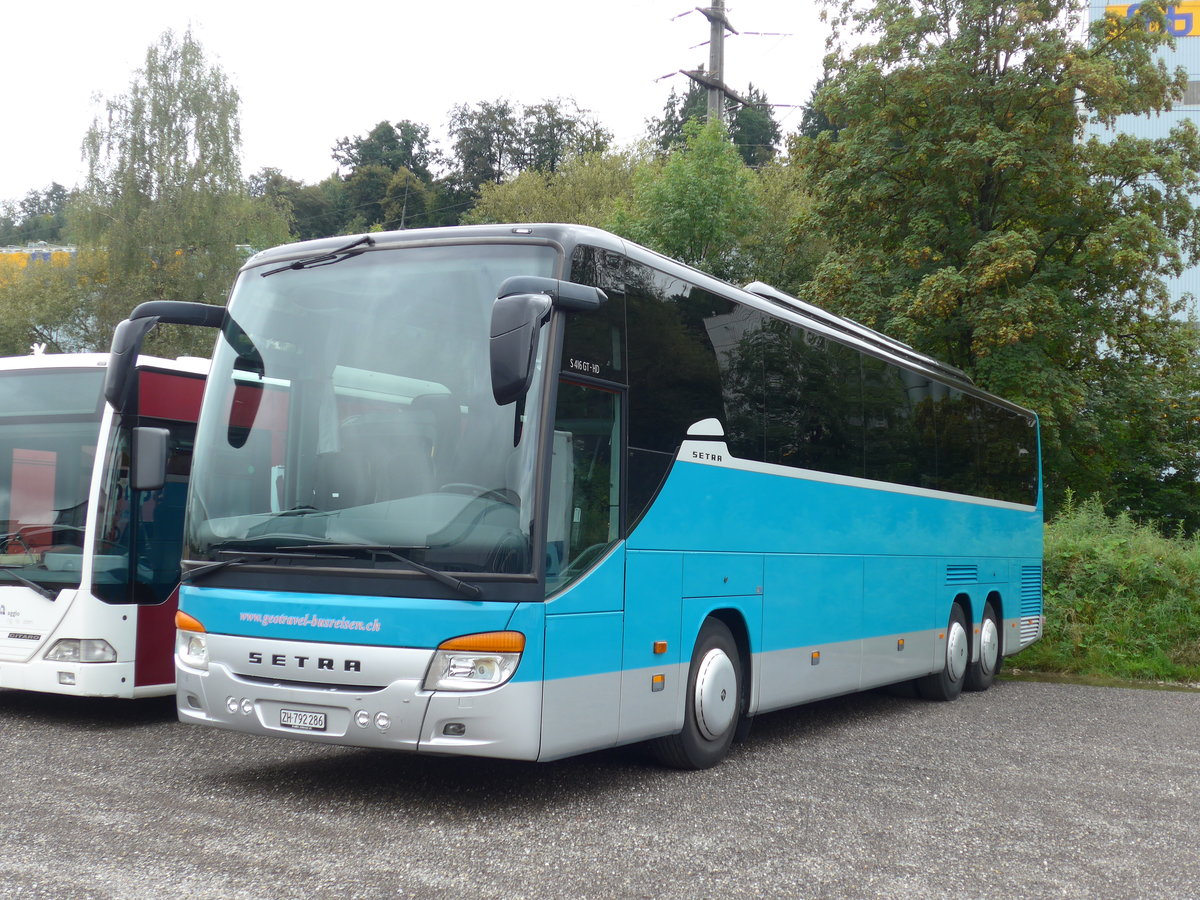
(712,703)
(948,683)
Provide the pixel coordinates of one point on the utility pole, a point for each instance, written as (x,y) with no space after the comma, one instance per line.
(714,78)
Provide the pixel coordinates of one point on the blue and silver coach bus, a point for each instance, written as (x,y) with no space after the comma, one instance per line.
(530,491)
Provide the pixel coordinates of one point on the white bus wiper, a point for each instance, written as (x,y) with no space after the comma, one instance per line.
(325,259)
(374,551)
(44,591)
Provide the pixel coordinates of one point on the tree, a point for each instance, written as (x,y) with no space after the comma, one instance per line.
(49,302)
(40,216)
(496,141)
(666,133)
(754,130)
(812,120)
(584,190)
(752,127)
(554,130)
(407,201)
(405,145)
(163,194)
(321,209)
(973,216)
(699,206)
(487,142)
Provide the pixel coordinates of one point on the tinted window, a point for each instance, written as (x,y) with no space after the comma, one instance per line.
(594,343)
(674,371)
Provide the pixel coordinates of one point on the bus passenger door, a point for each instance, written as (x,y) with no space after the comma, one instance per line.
(584,573)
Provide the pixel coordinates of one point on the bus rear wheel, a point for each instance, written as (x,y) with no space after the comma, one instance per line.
(712,703)
(981,674)
(948,683)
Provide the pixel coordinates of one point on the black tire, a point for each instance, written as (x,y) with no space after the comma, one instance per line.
(713,703)
(982,672)
(948,683)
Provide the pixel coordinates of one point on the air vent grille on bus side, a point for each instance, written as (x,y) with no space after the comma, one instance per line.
(962,574)
(1031,603)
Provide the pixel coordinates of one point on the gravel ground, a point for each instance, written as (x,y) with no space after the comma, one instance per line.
(1029,790)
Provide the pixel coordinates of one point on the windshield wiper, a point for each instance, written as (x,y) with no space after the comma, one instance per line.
(241,559)
(325,259)
(374,551)
(44,591)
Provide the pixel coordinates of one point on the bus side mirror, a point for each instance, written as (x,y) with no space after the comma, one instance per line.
(149,458)
(516,320)
(129,335)
(522,307)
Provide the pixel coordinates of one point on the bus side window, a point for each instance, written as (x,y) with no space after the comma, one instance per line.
(585,479)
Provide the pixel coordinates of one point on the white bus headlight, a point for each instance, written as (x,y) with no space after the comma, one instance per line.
(191,642)
(82,650)
(475,662)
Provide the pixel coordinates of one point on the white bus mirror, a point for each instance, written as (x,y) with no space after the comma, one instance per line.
(149,462)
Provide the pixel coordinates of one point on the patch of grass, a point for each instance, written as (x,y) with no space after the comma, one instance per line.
(1121,599)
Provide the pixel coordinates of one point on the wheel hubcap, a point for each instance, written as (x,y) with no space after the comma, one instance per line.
(989,645)
(956,651)
(716,694)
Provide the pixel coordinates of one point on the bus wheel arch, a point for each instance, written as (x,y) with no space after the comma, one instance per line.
(947,682)
(714,700)
(990,657)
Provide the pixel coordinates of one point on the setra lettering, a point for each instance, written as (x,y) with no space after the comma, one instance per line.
(323,662)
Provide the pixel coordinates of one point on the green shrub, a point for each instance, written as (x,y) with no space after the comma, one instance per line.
(1121,599)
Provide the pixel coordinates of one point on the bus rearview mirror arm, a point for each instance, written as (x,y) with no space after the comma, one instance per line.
(129,335)
(522,307)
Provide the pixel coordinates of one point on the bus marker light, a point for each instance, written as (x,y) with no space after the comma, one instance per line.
(660,647)
(900,644)
(816,657)
(657,682)
(184,622)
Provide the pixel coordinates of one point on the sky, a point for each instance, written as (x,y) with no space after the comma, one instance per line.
(310,74)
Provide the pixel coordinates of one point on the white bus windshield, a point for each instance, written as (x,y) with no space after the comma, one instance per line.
(349,416)
(49,425)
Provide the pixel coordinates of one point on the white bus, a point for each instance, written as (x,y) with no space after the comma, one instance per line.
(89,554)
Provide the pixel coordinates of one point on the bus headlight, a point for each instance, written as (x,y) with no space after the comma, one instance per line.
(82,650)
(475,662)
(191,642)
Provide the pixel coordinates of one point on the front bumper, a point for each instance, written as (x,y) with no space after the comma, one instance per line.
(381,704)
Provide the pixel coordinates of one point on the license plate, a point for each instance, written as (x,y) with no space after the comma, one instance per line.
(303,721)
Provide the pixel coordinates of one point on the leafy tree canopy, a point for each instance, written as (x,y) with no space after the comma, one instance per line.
(404,145)
(584,190)
(699,207)
(752,128)
(975,215)
(163,196)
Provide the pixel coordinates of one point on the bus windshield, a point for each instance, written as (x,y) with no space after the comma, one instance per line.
(49,425)
(349,418)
